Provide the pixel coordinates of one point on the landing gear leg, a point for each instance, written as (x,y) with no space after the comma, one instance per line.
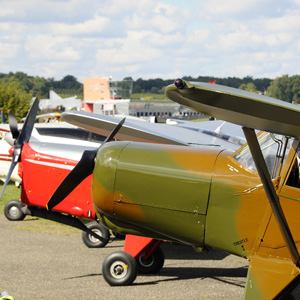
(151,264)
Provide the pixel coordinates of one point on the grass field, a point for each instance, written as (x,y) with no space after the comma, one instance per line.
(11,192)
(33,223)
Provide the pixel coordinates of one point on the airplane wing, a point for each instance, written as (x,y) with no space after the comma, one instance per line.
(218,128)
(238,106)
(134,130)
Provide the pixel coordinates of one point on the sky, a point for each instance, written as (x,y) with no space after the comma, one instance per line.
(150,39)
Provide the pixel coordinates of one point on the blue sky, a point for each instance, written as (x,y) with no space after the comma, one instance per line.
(150,39)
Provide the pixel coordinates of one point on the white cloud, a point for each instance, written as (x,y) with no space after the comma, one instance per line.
(134,49)
(144,38)
(8,51)
(50,48)
(96,25)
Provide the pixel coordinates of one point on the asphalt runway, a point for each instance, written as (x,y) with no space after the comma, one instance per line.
(53,266)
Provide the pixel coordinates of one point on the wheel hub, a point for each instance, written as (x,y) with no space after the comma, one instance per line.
(118,269)
(93,239)
(146,262)
(14,211)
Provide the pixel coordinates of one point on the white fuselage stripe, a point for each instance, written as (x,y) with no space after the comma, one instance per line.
(49,164)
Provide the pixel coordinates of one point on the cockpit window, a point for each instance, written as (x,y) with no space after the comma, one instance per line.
(72,133)
(272,146)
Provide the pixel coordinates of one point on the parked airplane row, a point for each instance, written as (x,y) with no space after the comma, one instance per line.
(55,148)
(178,183)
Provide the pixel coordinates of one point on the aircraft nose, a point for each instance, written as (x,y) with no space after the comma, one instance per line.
(104,177)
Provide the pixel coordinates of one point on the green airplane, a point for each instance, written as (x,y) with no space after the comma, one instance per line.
(245,203)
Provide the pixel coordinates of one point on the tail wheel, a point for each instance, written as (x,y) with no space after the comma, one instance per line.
(119,269)
(13,212)
(92,242)
(152,264)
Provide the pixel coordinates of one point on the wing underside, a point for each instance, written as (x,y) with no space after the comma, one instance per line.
(240,107)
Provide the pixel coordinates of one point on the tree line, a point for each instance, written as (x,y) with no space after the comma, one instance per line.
(157,85)
(286,88)
(36,84)
(17,89)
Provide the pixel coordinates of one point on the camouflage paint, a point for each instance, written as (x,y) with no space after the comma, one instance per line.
(234,191)
(157,186)
(197,196)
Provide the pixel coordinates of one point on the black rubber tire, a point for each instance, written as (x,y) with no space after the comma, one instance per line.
(119,269)
(92,242)
(153,264)
(13,212)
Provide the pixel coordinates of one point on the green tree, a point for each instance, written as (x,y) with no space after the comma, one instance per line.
(248,87)
(296,88)
(281,88)
(155,90)
(13,97)
(285,88)
(42,86)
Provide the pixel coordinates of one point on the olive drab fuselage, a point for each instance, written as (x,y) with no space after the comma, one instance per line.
(196,196)
(202,197)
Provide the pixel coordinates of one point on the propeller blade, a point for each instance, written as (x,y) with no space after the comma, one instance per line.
(114,132)
(29,123)
(13,125)
(83,169)
(21,138)
(14,162)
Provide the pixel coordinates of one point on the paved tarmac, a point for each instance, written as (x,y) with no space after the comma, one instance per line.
(53,266)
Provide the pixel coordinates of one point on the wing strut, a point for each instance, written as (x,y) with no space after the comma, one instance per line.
(271,193)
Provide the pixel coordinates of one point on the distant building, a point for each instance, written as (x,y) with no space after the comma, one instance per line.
(108,97)
(161,110)
(55,102)
(105,96)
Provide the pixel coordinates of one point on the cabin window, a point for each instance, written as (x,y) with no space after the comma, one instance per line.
(272,146)
(71,133)
(293,178)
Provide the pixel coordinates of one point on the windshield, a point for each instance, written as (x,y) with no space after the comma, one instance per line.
(272,149)
(71,133)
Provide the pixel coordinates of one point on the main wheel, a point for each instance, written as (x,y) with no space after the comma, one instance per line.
(152,264)
(92,242)
(119,269)
(13,212)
